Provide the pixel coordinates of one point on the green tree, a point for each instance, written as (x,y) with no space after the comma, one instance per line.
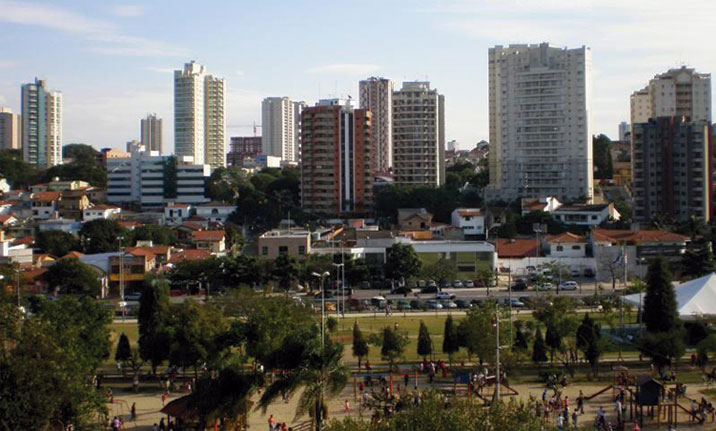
(154,322)
(124,351)
(425,344)
(451,343)
(56,242)
(285,270)
(589,342)
(360,345)
(310,365)
(476,332)
(664,337)
(392,345)
(553,340)
(45,363)
(539,350)
(17,172)
(102,236)
(520,337)
(331,324)
(440,270)
(70,276)
(402,262)
(601,152)
(196,334)
(155,233)
(697,260)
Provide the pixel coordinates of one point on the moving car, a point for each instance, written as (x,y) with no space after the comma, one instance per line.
(444,295)
(429,289)
(568,285)
(136,296)
(519,286)
(516,303)
(544,286)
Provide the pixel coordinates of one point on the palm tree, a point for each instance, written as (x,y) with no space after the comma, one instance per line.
(315,368)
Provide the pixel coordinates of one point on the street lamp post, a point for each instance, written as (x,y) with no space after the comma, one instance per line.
(343,289)
(322,277)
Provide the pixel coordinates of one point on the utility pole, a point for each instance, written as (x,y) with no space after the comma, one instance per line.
(497,352)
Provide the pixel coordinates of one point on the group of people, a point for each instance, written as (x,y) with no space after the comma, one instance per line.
(555,403)
(275,425)
(168,426)
(701,410)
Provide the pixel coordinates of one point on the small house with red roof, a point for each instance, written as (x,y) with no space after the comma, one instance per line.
(44,204)
(176,214)
(566,244)
(7,220)
(213,241)
(190,255)
(471,221)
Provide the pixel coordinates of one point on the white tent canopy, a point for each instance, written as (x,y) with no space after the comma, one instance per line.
(694,298)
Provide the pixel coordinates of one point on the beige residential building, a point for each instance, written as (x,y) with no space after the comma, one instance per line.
(199,115)
(540,122)
(680,92)
(295,243)
(10,129)
(376,95)
(418,135)
(151,133)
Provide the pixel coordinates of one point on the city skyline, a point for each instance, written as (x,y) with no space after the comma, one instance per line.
(628,50)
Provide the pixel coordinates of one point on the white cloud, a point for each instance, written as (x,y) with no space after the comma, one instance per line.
(239,74)
(345,69)
(106,34)
(160,69)
(128,10)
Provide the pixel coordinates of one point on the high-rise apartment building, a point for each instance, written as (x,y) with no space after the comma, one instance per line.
(281,128)
(41,124)
(335,158)
(672,160)
(624,130)
(418,135)
(199,115)
(540,122)
(10,129)
(677,93)
(151,133)
(243,147)
(376,95)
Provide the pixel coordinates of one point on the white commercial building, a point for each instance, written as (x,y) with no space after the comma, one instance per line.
(153,180)
(676,93)
(540,122)
(10,129)
(376,95)
(418,135)
(199,115)
(470,220)
(281,128)
(41,124)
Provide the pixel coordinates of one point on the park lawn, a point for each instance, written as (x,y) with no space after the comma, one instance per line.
(131,330)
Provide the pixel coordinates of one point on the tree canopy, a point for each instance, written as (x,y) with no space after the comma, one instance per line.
(70,276)
(402,261)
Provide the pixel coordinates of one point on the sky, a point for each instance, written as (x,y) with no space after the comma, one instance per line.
(113,61)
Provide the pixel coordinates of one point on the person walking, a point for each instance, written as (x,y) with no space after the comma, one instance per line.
(560,423)
(272,423)
(133,412)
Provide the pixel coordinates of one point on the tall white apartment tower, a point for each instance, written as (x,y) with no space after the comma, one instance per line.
(10,129)
(376,95)
(151,133)
(418,135)
(199,118)
(540,122)
(281,128)
(676,93)
(41,124)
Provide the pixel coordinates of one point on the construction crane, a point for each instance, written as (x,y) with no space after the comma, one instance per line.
(236,126)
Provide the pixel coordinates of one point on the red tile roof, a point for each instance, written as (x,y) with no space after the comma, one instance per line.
(140,251)
(190,255)
(208,235)
(516,248)
(46,196)
(103,207)
(129,224)
(179,206)
(24,240)
(191,225)
(72,254)
(566,237)
(468,213)
(5,217)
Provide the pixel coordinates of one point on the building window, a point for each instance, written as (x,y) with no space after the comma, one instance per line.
(301,250)
(560,248)
(264,251)
(282,249)
(576,247)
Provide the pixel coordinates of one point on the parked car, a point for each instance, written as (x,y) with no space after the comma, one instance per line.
(378,301)
(444,295)
(468,283)
(568,285)
(446,303)
(477,302)
(415,304)
(429,289)
(403,305)
(422,283)
(457,284)
(519,286)
(544,286)
(432,283)
(575,272)
(531,269)
(525,300)
(589,272)
(515,303)
(444,284)
(461,303)
(433,304)
(135,296)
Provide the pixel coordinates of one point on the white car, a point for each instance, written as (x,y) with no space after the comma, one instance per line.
(568,285)
(544,286)
(444,295)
